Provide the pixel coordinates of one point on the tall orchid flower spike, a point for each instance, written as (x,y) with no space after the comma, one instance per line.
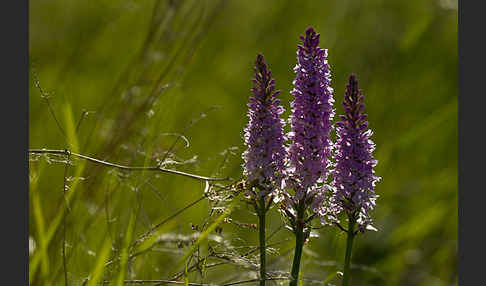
(354,178)
(264,165)
(310,148)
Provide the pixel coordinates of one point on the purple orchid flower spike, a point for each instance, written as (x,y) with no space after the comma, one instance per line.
(354,177)
(264,165)
(310,148)
(312,113)
(264,159)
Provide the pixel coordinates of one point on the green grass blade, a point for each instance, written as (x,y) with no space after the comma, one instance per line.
(70,127)
(124,251)
(186,276)
(103,256)
(210,229)
(329,278)
(56,221)
(40,256)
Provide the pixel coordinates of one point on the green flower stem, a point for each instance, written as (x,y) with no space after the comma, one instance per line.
(261,215)
(349,247)
(299,245)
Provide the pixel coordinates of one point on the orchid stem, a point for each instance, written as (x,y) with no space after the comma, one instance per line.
(261,216)
(299,245)
(349,247)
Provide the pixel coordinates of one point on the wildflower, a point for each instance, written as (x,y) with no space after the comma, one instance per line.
(264,159)
(312,113)
(310,148)
(264,165)
(354,177)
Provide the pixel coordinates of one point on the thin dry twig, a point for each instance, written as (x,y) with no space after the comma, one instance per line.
(148,233)
(84,114)
(166,220)
(45,97)
(162,281)
(64,218)
(123,167)
(201,115)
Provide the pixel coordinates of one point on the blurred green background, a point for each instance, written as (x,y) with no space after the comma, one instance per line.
(144,70)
